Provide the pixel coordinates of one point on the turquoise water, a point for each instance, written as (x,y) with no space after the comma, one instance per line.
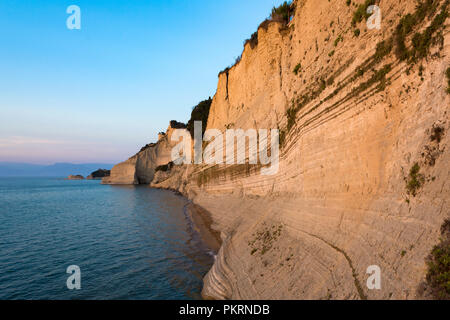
(129,242)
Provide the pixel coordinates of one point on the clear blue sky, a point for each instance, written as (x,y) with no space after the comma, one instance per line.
(100,93)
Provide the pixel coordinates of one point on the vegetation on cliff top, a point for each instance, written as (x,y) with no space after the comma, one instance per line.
(283,13)
(199,113)
(177,125)
(149,145)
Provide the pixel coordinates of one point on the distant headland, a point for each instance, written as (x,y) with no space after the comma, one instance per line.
(16,169)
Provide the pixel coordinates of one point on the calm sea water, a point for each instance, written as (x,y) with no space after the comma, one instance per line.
(129,242)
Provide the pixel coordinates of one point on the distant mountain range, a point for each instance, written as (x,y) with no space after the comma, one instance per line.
(12,169)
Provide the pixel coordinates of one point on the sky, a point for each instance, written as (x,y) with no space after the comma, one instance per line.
(100,93)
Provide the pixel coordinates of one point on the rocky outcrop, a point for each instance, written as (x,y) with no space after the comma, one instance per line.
(364,170)
(75,177)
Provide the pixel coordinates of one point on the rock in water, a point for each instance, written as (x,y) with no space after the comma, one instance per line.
(75,177)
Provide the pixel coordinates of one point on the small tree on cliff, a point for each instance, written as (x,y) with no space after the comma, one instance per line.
(282,13)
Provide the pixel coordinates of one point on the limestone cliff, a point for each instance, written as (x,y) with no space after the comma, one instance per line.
(364,169)
(141,168)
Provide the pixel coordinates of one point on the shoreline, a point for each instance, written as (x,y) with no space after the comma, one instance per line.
(201,221)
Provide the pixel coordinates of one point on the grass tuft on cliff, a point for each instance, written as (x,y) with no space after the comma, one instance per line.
(263,240)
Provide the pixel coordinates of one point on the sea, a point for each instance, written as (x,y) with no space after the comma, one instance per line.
(126,242)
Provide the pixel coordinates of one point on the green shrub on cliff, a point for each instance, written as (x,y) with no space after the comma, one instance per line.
(361,12)
(438,262)
(421,42)
(297,69)
(382,50)
(338,39)
(415,181)
(448,79)
(200,113)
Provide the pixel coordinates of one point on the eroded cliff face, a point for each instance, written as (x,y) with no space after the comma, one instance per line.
(364,169)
